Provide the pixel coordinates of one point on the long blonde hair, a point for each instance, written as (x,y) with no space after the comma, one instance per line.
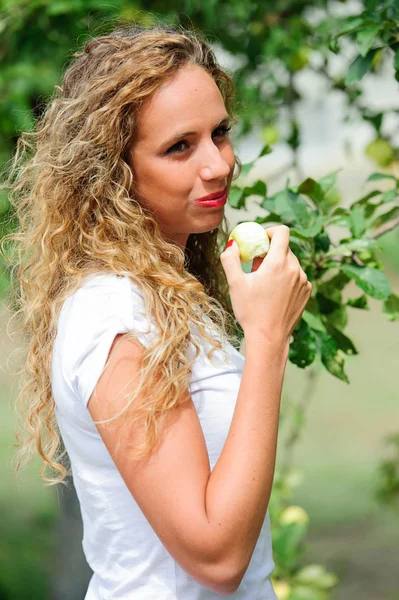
(70,186)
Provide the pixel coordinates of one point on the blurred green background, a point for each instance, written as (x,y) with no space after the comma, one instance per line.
(342,437)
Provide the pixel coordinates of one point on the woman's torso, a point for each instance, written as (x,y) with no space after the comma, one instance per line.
(127,557)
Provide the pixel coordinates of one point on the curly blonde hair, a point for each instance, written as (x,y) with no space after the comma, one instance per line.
(71,188)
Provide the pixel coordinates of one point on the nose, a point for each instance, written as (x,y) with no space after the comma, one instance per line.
(213,165)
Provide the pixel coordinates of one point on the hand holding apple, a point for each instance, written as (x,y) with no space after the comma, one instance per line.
(270,301)
(252,240)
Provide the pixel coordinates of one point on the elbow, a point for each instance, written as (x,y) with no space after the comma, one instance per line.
(227,580)
(223,588)
(234,581)
(222,569)
(229,586)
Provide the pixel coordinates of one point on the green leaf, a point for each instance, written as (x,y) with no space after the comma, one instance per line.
(351,24)
(370,208)
(333,287)
(328,181)
(258,188)
(302,350)
(314,321)
(265,150)
(388,216)
(344,343)
(360,66)
(360,302)
(341,250)
(246,168)
(286,542)
(396,60)
(365,38)
(293,140)
(340,211)
(341,221)
(312,231)
(290,206)
(236,198)
(389,196)
(358,222)
(333,45)
(330,355)
(339,317)
(366,198)
(377,176)
(326,305)
(322,242)
(271,218)
(375,120)
(362,244)
(370,280)
(390,308)
(311,188)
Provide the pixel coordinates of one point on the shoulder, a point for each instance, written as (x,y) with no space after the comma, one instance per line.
(104,306)
(100,294)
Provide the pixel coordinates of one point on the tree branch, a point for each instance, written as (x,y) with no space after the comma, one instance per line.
(385,228)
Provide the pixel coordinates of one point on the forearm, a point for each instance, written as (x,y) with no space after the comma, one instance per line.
(239,487)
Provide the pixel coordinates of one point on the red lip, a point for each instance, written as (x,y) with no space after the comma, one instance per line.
(213,196)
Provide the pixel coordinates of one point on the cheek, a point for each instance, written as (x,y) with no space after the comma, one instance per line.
(154,176)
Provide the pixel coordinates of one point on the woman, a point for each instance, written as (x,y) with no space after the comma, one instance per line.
(131,370)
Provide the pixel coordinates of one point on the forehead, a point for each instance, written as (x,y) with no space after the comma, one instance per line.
(187,99)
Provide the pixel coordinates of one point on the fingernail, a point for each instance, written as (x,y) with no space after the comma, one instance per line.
(230,243)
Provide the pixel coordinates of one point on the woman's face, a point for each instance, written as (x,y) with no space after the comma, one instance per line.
(171,170)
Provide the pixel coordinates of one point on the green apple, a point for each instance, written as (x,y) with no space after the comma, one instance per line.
(282,590)
(270,134)
(293,514)
(252,240)
(381,151)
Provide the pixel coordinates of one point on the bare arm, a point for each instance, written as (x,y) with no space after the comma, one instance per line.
(239,488)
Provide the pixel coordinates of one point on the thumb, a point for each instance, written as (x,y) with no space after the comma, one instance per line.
(231,263)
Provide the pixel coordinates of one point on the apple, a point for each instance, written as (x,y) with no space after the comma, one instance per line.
(282,590)
(293,514)
(270,134)
(252,240)
(381,151)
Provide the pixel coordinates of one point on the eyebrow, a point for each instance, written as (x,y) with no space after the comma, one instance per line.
(179,136)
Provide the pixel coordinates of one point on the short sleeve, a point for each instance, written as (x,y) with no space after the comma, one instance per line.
(89,322)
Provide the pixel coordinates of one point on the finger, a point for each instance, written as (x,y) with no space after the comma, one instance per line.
(279,240)
(294,259)
(230,259)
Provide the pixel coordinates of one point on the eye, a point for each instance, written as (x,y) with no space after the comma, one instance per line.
(179,148)
(223,130)
(175,148)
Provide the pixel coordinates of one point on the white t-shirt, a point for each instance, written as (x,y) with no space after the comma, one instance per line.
(128,559)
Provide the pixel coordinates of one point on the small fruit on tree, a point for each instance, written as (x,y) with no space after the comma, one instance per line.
(282,590)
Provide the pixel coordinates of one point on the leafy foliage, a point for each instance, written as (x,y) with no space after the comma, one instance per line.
(307,210)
